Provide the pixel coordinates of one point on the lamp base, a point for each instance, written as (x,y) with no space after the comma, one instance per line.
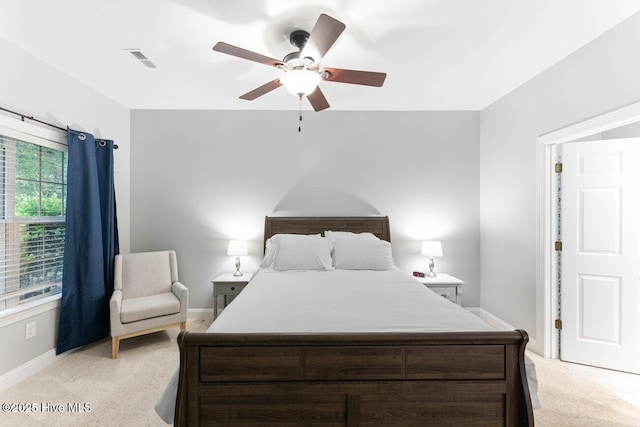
(237,273)
(431,273)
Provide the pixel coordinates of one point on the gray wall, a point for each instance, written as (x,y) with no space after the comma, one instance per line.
(32,87)
(600,77)
(200,178)
(16,350)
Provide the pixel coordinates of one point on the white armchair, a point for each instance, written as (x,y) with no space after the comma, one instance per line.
(147,296)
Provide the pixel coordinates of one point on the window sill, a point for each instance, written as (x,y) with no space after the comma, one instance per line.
(28,310)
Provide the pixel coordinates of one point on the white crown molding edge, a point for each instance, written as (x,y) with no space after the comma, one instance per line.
(604,122)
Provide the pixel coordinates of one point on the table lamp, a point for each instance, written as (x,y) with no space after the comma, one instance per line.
(237,248)
(431,249)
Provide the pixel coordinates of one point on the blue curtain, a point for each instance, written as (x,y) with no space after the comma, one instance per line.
(91,242)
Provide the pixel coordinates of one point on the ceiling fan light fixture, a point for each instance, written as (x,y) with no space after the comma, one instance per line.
(300,82)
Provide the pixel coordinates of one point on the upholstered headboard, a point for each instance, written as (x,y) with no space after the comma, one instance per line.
(378,225)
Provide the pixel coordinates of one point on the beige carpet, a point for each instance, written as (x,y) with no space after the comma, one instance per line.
(123,392)
(571,399)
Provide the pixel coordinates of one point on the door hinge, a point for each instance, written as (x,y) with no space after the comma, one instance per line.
(558,246)
(558,324)
(558,167)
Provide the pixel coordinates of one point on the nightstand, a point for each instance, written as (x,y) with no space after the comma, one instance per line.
(445,285)
(228,285)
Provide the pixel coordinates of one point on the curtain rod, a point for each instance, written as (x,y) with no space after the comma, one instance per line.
(23,116)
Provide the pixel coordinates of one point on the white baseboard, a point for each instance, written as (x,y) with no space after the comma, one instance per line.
(200,314)
(500,325)
(33,366)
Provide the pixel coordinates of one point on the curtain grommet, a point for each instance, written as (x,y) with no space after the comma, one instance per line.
(82,137)
(102,143)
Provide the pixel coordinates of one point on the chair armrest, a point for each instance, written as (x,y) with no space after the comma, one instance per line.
(115,304)
(182,293)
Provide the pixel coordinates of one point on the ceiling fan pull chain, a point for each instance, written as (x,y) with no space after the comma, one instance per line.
(300,114)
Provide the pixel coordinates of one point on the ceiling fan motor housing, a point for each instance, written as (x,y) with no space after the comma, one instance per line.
(294,61)
(299,38)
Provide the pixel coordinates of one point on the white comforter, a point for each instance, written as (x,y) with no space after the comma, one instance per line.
(342,301)
(338,301)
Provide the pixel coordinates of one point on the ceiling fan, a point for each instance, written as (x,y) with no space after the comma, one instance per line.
(301,69)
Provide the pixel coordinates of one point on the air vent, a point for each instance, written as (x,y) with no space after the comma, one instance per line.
(140,57)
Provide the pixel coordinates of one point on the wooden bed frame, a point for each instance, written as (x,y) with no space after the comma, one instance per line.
(352,379)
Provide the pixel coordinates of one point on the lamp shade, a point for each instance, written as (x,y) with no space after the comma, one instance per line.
(431,248)
(300,82)
(237,248)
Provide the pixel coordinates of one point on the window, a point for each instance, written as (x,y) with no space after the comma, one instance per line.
(32,220)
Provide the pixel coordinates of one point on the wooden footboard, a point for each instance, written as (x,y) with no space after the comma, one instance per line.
(404,379)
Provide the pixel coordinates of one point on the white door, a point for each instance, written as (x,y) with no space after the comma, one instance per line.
(600,254)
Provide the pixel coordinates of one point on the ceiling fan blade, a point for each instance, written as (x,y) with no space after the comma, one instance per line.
(322,37)
(317,100)
(368,78)
(245,54)
(265,88)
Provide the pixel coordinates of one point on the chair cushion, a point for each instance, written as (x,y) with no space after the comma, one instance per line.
(134,309)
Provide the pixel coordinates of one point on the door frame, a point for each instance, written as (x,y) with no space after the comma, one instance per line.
(546,224)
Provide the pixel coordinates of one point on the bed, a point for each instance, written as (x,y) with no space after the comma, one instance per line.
(313,348)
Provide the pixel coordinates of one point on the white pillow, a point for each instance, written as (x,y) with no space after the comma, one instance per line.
(362,254)
(271,248)
(302,252)
(337,235)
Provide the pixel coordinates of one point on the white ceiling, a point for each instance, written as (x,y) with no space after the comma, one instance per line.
(438,54)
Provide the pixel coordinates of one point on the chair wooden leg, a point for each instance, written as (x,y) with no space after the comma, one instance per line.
(115,345)
(115,341)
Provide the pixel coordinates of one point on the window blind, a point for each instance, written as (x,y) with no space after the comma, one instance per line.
(32,223)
